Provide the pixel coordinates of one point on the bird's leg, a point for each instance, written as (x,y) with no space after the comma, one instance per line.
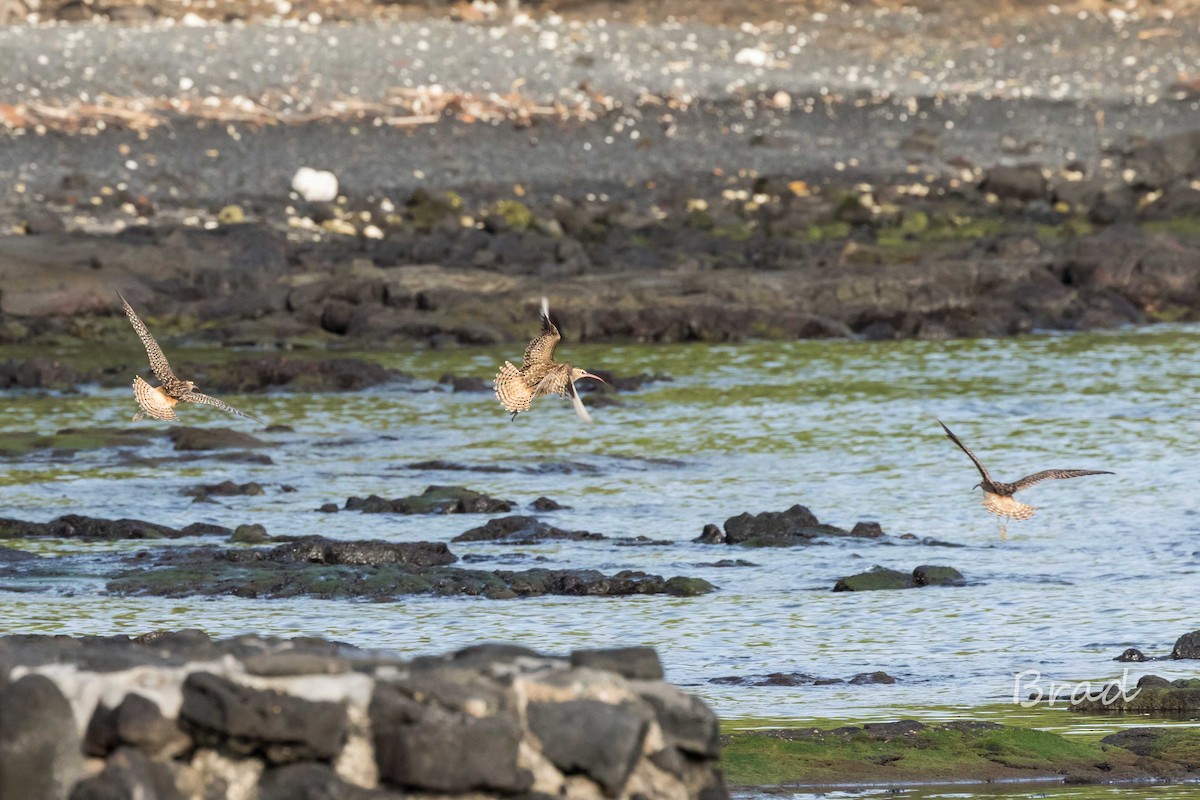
(514,416)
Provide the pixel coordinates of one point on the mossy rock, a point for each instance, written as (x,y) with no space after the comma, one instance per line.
(516,215)
(875,579)
(71,440)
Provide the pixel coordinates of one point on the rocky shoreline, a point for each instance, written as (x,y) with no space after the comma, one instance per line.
(177,714)
(769,191)
(1004,252)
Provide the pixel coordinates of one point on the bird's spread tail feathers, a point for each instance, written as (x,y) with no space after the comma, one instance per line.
(511,390)
(153,402)
(1007,506)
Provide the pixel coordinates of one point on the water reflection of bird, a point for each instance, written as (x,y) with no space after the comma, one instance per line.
(998,497)
(159,401)
(540,374)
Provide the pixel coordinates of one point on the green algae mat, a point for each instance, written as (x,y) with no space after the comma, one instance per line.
(961,751)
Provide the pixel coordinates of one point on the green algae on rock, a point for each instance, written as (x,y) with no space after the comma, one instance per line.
(14,444)
(881,578)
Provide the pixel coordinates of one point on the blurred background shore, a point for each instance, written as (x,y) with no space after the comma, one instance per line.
(665,171)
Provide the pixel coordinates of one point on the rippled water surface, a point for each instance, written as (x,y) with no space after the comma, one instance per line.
(846,428)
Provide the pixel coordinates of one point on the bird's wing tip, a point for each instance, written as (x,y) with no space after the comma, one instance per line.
(545,307)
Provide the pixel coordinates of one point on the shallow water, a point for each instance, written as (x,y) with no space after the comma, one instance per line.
(846,428)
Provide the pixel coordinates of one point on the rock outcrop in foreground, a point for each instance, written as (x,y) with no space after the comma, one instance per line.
(179,715)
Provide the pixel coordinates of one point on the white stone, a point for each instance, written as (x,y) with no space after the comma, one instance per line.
(752,57)
(315,185)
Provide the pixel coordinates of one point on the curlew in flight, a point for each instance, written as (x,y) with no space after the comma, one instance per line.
(540,374)
(159,401)
(998,497)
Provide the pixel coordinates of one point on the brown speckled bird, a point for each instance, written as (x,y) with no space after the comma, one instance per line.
(159,401)
(540,374)
(998,497)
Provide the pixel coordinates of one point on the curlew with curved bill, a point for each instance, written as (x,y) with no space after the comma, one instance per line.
(540,374)
(998,497)
(159,401)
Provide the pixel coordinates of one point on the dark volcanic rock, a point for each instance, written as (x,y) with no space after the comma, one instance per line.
(74,526)
(938,576)
(1152,695)
(796,526)
(684,718)
(546,504)
(319,550)
(465,383)
(802,679)
(1024,182)
(522,530)
(129,773)
(39,746)
(137,722)
(639,663)
(444,750)
(600,740)
(484,720)
(287,572)
(434,500)
(879,577)
(280,727)
(314,781)
(874,579)
(224,489)
(1131,654)
(191,439)
(250,534)
(281,372)
(1187,646)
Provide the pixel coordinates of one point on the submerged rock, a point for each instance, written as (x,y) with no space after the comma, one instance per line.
(321,568)
(879,578)
(75,526)
(188,439)
(1131,654)
(319,550)
(434,500)
(522,530)
(802,679)
(15,444)
(796,526)
(202,492)
(246,375)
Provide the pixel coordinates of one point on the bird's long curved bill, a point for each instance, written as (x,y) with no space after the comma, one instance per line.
(580,410)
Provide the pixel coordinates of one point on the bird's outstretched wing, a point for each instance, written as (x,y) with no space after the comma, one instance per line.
(978,464)
(1055,475)
(158,361)
(580,410)
(197,397)
(541,349)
